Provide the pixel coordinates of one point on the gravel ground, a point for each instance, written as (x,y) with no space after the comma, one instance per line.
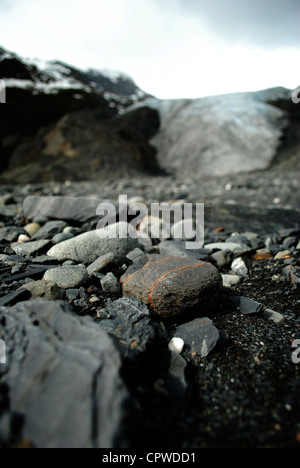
(246,392)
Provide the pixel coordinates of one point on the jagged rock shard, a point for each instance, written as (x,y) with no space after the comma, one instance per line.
(200,336)
(63,375)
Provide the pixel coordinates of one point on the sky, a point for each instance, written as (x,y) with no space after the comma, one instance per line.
(171,48)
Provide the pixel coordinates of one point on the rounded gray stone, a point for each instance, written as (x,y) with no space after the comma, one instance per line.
(87,247)
(67,277)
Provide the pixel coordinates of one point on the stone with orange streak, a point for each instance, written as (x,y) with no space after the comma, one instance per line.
(173,286)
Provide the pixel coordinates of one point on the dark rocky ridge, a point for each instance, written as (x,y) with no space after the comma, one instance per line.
(62,123)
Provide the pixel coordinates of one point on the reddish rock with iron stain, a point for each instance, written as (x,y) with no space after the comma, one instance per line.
(173,286)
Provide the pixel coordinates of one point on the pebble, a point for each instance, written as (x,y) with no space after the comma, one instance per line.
(61,237)
(30,248)
(23,238)
(262,254)
(281,255)
(230,280)
(173,248)
(32,228)
(173,286)
(47,289)
(179,230)
(220,258)
(67,277)
(87,247)
(154,228)
(176,345)
(236,248)
(49,230)
(100,263)
(273,315)
(110,284)
(239,267)
(246,305)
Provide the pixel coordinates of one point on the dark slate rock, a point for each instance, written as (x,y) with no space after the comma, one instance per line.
(49,230)
(78,209)
(128,320)
(14,297)
(172,286)
(245,305)
(29,248)
(200,336)
(63,376)
(11,233)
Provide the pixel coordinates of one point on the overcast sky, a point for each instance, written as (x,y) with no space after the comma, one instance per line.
(171,48)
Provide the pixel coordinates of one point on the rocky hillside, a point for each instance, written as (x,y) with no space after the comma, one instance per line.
(61,123)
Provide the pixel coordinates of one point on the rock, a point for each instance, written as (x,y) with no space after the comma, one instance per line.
(110,284)
(87,247)
(236,248)
(128,320)
(246,305)
(173,287)
(46,289)
(49,230)
(154,228)
(61,237)
(200,336)
(281,255)
(136,255)
(238,239)
(220,258)
(23,238)
(176,380)
(14,297)
(262,254)
(32,228)
(273,315)
(230,280)
(289,242)
(78,209)
(29,248)
(179,230)
(101,263)
(291,274)
(239,267)
(67,277)
(63,373)
(174,248)
(11,233)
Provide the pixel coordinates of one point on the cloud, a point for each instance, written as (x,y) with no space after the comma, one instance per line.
(270,23)
(172,48)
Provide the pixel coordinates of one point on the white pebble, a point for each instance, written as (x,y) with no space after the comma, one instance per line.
(23,238)
(176,345)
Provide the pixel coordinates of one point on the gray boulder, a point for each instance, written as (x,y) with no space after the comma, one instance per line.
(63,376)
(87,247)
